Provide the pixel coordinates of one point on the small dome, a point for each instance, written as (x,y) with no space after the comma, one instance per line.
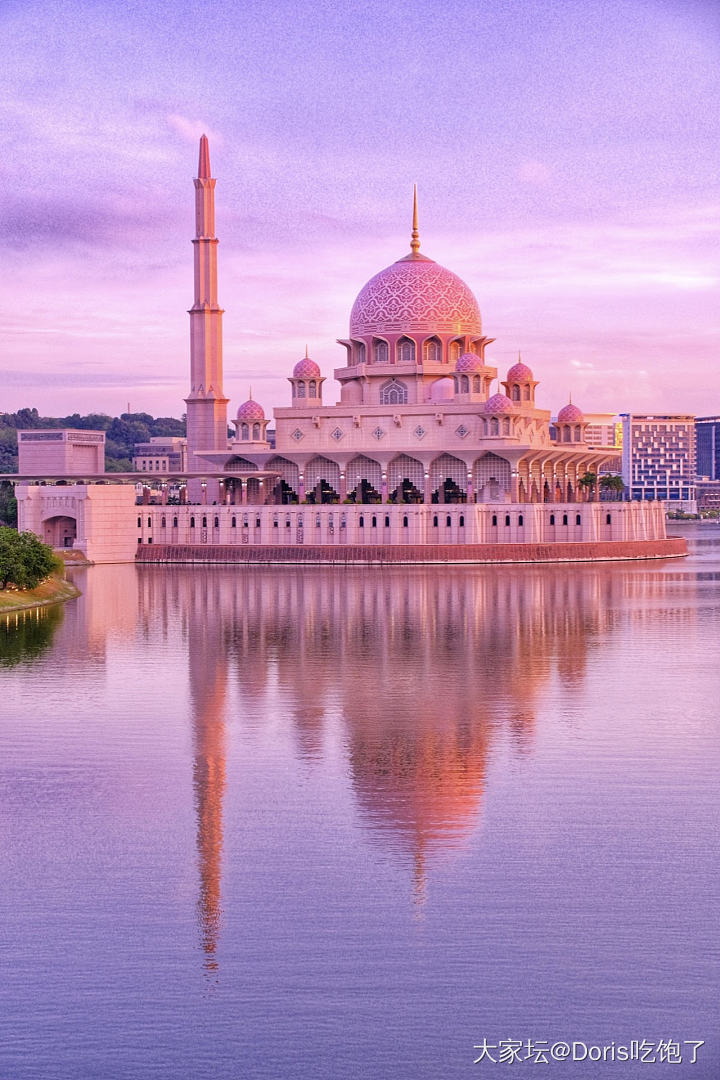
(469,362)
(570,414)
(251,410)
(306,369)
(520,373)
(499,403)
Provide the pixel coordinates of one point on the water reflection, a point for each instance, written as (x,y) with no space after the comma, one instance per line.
(419,672)
(206,634)
(25,635)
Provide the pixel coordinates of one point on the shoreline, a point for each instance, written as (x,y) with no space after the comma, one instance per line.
(54,590)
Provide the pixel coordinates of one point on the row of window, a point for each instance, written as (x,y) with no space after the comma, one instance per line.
(301,388)
(361,521)
(406,351)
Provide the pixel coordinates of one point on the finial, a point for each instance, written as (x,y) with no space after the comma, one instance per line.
(204,162)
(251,397)
(519,357)
(415,239)
(570,397)
(307,354)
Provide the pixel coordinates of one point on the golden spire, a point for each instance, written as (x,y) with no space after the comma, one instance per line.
(415,239)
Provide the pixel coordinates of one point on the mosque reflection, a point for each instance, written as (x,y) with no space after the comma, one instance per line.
(421,672)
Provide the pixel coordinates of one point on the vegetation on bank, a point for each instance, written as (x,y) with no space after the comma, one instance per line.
(121,433)
(31,575)
(24,560)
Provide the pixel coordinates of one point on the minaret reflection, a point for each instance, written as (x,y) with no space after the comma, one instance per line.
(208,696)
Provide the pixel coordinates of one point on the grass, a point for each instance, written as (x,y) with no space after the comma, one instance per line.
(53,590)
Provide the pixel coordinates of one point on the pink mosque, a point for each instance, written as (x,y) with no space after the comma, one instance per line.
(423,458)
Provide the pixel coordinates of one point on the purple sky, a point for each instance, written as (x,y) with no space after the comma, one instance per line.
(566,155)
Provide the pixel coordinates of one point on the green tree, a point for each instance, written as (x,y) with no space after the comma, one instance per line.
(8,504)
(24,560)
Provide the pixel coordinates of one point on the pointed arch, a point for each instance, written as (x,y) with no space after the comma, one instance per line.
(405,479)
(393,392)
(492,478)
(364,479)
(432,351)
(448,479)
(322,479)
(287,485)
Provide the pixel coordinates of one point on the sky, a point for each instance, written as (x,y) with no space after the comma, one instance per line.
(566,154)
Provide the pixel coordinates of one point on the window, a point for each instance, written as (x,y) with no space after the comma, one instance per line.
(462,521)
(256,431)
(192,522)
(163,523)
(432,351)
(464,384)
(552,519)
(312,388)
(139,523)
(380,352)
(477,384)
(608,519)
(435,521)
(217,522)
(374,522)
(448,521)
(301,389)
(565,519)
(174,523)
(361,522)
(149,523)
(257,523)
(516,393)
(494,519)
(507,519)
(406,351)
(454,352)
(233,523)
(204,524)
(244,431)
(520,519)
(405,522)
(393,393)
(578,519)
(359,352)
(387,521)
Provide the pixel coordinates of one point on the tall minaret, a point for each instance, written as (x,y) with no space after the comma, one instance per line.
(206,404)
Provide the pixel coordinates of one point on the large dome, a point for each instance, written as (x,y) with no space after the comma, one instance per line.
(415,296)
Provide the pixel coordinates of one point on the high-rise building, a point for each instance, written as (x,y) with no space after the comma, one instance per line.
(707,434)
(658,458)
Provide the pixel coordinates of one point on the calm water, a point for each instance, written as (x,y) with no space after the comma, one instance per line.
(315,823)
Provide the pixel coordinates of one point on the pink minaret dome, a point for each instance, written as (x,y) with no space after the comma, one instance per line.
(499,403)
(570,414)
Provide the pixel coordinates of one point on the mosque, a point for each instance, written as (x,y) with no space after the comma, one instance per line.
(424,458)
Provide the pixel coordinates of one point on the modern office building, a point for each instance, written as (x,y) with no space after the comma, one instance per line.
(707,435)
(658,458)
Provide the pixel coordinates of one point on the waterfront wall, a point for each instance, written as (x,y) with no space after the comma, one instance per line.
(393,525)
(350,554)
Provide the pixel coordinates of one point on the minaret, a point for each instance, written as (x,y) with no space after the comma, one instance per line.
(206,404)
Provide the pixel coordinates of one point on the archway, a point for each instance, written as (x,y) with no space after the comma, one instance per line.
(448,479)
(60,532)
(406,480)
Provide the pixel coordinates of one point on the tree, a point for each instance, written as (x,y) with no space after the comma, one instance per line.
(612,485)
(8,504)
(24,560)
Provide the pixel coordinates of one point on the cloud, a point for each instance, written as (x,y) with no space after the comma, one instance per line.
(191,130)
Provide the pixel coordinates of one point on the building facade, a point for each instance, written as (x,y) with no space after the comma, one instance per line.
(658,458)
(707,435)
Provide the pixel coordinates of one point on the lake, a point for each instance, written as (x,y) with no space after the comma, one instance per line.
(315,822)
